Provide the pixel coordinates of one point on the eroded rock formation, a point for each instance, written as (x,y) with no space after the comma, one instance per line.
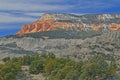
(49,22)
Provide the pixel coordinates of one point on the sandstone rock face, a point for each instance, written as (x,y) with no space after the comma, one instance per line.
(49,22)
(114,27)
(96,27)
(44,25)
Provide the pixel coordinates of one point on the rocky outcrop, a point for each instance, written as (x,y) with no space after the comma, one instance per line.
(49,22)
(96,27)
(114,27)
(44,25)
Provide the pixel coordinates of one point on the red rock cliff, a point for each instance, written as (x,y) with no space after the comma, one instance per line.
(49,23)
(43,25)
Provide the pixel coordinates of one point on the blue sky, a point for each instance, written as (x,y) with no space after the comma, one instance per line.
(15,13)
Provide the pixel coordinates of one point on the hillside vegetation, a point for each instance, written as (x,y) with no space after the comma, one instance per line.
(60,33)
(52,68)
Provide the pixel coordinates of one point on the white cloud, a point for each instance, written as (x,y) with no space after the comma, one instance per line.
(25,9)
(8,27)
(33,14)
(7,18)
(29,6)
(32,1)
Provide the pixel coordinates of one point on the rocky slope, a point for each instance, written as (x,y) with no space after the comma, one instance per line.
(50,22)
(106,44)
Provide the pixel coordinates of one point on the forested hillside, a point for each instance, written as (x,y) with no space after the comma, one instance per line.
(52,68)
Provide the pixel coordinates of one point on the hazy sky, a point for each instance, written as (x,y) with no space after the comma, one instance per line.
(15,13)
